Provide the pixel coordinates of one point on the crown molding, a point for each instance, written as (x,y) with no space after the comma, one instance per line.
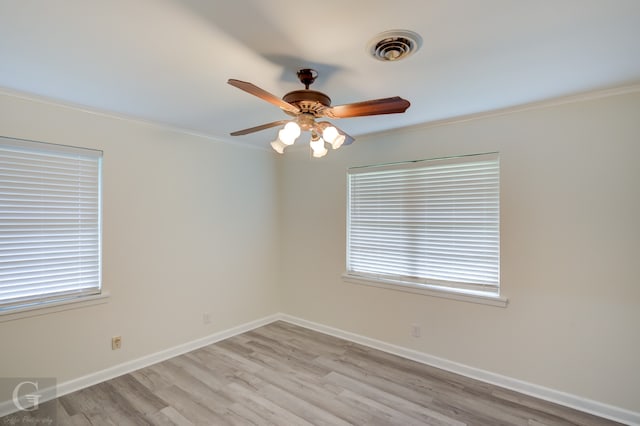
(546,103)
(120,117)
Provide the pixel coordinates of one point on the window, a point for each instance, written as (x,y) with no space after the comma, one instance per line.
(50,240)
(430,225)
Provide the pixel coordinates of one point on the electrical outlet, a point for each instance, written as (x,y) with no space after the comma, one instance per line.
(415,330)
(206,318)
(116,342)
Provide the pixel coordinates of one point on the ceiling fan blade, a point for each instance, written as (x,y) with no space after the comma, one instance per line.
(258,128)
(373,107)
(263,94)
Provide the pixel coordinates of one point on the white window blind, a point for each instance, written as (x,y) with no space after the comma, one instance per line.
(427,224)
(50,242)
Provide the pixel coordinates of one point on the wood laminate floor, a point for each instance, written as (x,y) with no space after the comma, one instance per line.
(282,374)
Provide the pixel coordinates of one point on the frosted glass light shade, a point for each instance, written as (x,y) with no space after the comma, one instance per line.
(293,127)
(338,141)
(278,146)
(318,147)
(322,153)
(317,144)
(289,133)
(331,135)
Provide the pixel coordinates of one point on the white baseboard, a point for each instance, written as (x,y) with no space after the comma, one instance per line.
(558,397)
(573,401)
(8,407)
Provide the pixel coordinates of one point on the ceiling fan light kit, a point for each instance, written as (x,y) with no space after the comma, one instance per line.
(306,106)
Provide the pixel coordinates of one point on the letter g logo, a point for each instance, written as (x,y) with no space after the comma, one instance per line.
(31,398)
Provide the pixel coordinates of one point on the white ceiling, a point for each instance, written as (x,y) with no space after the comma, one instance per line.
(168,61)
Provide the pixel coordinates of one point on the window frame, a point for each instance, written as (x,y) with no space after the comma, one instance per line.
(40,153)
(458,290)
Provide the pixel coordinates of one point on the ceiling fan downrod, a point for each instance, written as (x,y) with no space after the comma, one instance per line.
(307,76)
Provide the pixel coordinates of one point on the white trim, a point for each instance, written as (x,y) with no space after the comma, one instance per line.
(55,306)
(569,400)
(7,407)
(461,295)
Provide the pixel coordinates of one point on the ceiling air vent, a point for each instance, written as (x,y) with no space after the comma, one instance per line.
(394,45)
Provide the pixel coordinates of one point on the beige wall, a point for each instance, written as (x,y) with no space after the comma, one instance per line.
(189,226)
(192,225)
(570,241)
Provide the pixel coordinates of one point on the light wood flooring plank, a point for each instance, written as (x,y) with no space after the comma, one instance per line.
(316,392)
(168,416)
(282,374)
(416,411)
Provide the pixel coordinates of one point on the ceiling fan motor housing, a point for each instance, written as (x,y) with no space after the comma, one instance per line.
(308,101)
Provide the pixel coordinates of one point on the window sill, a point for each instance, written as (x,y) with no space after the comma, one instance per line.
(51,307)
(462,295)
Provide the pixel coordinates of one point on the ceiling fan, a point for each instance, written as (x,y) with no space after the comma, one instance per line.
(306,106)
